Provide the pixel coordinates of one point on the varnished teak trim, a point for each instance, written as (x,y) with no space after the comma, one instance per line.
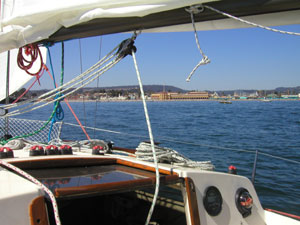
(192,200)
(38,212)
(82,161)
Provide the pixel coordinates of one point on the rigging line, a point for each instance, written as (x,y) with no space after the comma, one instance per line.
(59,89)
(88,71)
(96,104)
(103,70)
(51,66)
(74,114)
(162,138)
(77,119)
(83,102)
(205,60)
(251,23)
(59,113)
(28,89)
(151,140)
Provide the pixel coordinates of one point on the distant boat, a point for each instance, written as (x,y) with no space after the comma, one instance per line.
(266,100)
(226,102)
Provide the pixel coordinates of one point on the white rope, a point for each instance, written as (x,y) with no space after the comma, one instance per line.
(151,140)
(168,155)
(104,69)
(251,23)
(35,181)
(53,93)
(205,60)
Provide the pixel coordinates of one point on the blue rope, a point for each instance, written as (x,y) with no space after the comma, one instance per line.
(51,66)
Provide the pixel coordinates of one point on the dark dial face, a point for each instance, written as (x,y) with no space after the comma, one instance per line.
(213,201)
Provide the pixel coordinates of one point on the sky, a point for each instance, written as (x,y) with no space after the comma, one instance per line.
(249,58)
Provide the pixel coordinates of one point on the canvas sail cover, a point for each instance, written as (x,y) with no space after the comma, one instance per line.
(27,21)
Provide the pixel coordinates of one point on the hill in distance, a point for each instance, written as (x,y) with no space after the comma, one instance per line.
(169,88)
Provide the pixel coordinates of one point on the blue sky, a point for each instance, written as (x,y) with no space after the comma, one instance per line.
(240,59)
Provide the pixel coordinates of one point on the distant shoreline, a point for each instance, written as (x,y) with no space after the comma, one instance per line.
(187,100)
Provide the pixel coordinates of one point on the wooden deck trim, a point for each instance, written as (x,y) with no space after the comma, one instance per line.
(144,167)
(192,200)
(77,161)
(132,151)
(37,212)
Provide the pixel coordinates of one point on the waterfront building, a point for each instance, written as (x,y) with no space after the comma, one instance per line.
(194,95)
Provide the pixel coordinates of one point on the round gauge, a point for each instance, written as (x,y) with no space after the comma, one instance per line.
(244,202)
(213,201)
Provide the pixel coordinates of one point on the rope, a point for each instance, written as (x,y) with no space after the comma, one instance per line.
(151,139)
(48,100)
(205,60)
(250,23)
(59,112)
(33,52)
(167,155)
(78,121)
(29,88)
(72,82)
(35,181)
(122,52)
(67,102)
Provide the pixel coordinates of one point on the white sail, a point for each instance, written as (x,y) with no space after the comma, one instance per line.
(28,21)
(17,77)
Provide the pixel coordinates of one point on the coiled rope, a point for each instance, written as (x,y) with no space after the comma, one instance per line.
(25,62)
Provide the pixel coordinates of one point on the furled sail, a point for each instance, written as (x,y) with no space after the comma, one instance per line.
(28,21)
(17,77)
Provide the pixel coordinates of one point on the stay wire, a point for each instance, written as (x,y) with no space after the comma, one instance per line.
(96,103)
(83,101)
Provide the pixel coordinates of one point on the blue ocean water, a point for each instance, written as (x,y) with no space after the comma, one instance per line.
(226,134)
